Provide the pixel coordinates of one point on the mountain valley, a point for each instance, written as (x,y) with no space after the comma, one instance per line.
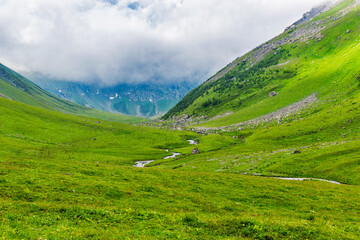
(268,148)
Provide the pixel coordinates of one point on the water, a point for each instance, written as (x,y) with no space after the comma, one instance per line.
(142,164)
(192,142)
(174,155)
(307,179)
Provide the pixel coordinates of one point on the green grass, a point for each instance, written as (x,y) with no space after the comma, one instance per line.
(61,182)
(76,200)
(114,202)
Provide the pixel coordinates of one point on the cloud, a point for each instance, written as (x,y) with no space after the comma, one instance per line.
(113,41)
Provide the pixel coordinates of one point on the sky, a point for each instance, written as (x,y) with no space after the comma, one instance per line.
(127,41)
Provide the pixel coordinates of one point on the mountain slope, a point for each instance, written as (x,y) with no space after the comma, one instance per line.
(304,60)
(16,87)
(292,103)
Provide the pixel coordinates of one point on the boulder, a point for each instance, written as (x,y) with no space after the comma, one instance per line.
(195,151)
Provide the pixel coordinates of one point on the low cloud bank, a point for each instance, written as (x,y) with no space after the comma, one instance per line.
(110,41)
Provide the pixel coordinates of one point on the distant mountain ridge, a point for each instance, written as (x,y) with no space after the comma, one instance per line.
(145,99)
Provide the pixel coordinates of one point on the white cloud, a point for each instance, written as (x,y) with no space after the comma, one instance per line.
(113,41)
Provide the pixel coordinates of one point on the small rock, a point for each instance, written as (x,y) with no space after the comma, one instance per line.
(69,174)
(273,94)
(179,166)
(195,151)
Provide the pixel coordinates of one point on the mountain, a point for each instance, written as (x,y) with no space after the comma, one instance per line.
(306,59)
(145,99)
(292,103)
(16,87)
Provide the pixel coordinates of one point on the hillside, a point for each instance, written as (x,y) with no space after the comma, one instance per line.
(306,59)
(16,87)
(292,103)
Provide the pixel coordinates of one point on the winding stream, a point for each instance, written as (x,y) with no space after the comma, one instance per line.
(173,155)
(307,179)
(142,164)
(192,142)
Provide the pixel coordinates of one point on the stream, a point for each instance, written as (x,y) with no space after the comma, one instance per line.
(192,142)
(307,179)
(142,164)
(174,155)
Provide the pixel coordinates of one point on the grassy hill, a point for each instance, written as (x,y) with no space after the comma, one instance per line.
(313,70)
(65,176)
(306,59)
(16,87)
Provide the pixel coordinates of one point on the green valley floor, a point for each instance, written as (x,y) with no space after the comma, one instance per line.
(69,177)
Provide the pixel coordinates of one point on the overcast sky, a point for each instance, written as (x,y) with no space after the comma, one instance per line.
(112,41)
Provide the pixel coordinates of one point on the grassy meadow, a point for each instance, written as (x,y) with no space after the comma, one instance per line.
(69,177)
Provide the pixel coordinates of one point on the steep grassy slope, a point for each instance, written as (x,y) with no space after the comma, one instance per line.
(16,87)
(304,60)
(319,139)
(65,176)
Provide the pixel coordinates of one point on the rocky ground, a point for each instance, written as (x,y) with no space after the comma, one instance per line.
(277,115)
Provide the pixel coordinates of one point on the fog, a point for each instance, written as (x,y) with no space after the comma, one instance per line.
(112,42)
